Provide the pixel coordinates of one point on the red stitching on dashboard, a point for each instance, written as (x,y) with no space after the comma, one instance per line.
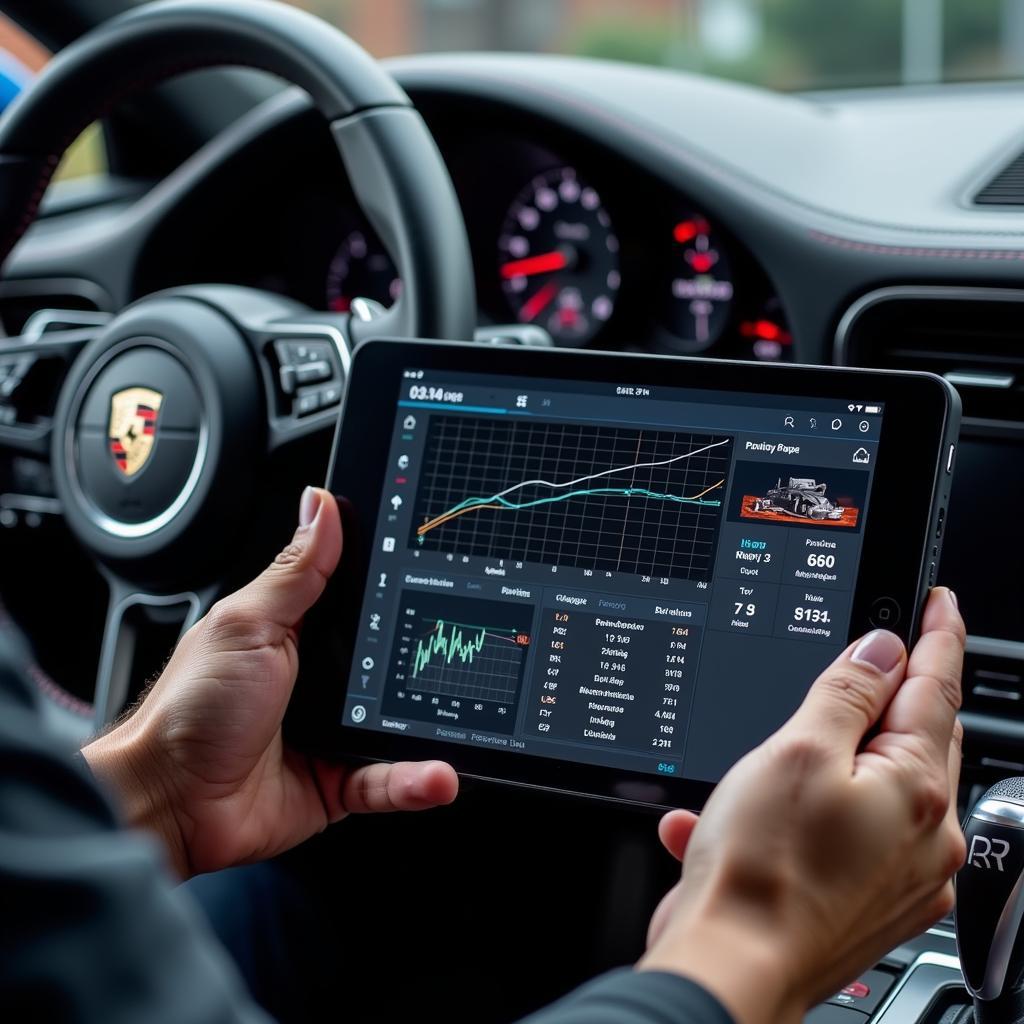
(917,250)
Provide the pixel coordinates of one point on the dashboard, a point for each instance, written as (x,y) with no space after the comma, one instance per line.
(639,210)
(565,234)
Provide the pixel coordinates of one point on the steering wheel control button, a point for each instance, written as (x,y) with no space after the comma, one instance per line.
(301,363)
(330,395)
(306,403)
(313,373)
(288,379)
(885,613)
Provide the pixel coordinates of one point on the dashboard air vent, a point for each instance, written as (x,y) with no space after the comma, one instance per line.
(1006,188)
(971,336)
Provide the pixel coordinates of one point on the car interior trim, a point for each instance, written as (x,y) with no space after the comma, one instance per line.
(970,293)
(107,702)
(918,988)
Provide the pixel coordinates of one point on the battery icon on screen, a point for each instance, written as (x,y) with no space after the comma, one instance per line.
(872,408)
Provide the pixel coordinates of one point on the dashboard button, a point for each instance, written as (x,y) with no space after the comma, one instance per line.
(885,613)
(866,992)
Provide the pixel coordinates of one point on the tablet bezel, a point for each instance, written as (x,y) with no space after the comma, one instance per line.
(920,423)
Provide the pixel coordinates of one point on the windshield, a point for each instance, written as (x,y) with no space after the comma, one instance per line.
(781,44)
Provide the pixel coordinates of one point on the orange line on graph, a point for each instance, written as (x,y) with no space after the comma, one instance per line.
(426,527)
(707,490)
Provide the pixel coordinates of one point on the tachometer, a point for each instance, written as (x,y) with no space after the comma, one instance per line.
(558,257)
(361,269)
(700,284)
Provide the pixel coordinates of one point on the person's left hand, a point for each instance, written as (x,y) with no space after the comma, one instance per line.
(202,762)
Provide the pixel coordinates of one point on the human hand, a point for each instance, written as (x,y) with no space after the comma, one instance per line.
(202,761)
(830,843)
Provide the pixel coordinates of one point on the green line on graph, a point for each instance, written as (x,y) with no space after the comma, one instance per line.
(449,641)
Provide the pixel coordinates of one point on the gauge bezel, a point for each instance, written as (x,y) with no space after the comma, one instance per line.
(602,252)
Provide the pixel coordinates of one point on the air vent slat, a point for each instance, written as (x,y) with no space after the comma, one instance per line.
(974,337)
(1006,188)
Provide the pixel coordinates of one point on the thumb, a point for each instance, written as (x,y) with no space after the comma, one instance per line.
(291,584)
(674,831)
(850,696)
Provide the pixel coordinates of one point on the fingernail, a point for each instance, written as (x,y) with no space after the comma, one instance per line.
(309,506)
(956,603)
(880,649)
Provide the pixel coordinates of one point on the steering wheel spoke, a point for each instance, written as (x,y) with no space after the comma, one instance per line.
(137,623)
(32,369)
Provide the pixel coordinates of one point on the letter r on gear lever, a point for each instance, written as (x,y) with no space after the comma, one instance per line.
(982,848)
(990,905)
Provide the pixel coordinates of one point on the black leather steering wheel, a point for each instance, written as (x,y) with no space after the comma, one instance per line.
(167,415)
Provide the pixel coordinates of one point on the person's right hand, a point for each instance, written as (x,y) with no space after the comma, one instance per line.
(833,841)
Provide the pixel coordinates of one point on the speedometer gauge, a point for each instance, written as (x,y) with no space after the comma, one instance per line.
(700,284)
(558,257)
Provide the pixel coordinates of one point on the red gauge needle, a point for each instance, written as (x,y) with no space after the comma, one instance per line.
(542,264)
(537,303)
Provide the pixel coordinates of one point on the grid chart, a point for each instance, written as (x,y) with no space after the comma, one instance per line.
(458,647)
(612,499)
(491,674)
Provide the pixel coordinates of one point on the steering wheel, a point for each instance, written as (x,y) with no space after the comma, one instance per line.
(167,416)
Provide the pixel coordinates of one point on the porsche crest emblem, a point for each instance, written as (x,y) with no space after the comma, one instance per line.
(132,429)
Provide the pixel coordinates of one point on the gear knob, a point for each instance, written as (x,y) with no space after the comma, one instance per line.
(990,905)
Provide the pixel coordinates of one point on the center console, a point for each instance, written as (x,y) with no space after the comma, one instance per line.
(970,335)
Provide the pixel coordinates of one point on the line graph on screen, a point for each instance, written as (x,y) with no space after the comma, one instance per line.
(597,497)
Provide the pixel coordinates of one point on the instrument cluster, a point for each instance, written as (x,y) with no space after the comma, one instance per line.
(593,251)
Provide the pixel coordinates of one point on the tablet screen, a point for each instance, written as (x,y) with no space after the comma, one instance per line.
(636,576)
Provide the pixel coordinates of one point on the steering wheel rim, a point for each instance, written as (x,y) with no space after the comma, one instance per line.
(395,169)
(400,181)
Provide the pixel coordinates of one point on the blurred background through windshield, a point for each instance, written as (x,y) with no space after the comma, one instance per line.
(782,44)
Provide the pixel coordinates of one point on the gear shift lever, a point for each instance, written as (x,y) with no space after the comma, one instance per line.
(990,905)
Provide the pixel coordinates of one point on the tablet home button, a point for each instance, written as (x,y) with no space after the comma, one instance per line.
(885,613)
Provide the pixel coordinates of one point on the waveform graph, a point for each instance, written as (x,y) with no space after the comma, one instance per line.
(458,661)
(610,499)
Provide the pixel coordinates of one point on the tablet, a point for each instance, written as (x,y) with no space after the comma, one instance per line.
(610,574)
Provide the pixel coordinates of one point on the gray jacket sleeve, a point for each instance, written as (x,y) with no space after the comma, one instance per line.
(636,997)
(93,930)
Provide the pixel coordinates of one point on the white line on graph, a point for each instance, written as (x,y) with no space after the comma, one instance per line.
(609,472)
